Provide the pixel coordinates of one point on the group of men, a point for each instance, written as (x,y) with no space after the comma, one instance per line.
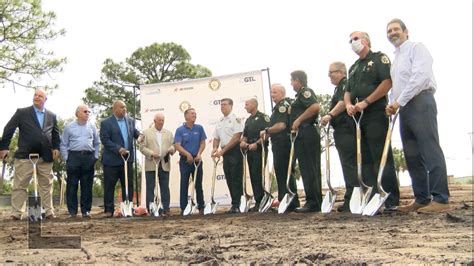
(363,90)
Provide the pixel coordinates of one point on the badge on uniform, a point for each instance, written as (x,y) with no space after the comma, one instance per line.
(267,119)
(306,94)
(282,109)
(385,59)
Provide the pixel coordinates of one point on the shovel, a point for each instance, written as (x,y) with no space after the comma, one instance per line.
(331,194)
(211,207)
(245,199)
(35,212)
(285,202)
(360,195)
(190,208)
(126,207)
(4,165)
(155,206)
(379,198)
(62,191)
(267,198)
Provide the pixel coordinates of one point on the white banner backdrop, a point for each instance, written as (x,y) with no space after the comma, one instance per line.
(173,98)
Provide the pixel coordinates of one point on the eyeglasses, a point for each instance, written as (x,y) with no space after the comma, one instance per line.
(87,112)
(353,39)
(333,71)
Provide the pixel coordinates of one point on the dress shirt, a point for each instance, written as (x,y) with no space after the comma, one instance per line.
(411,72)
(159,138)
(227,127)
(123,129)
(39,116)
(79,137)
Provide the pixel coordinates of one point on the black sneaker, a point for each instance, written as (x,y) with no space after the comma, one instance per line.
(72,216)
(254,208)
(343,208)
(86,215)
(233,210)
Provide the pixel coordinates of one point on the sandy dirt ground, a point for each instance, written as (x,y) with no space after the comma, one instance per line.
(256,238)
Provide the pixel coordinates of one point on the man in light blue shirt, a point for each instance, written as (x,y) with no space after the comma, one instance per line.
(413,86)
(80,149)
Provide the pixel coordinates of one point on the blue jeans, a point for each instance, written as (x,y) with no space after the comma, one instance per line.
(423,154)
(186,171)
(164,181)
(80,168)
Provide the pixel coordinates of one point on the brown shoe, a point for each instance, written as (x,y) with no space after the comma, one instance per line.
(50,217)
(412,207)
(166,213)
(201,211)
(435,207)
(15,217)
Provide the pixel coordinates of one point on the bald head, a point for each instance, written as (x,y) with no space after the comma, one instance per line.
(251,106)
(119,109)
(277,92)
(39,98)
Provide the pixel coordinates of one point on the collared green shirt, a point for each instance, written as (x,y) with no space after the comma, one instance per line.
(303,99)
(254,124)
(365,75)
(281,114)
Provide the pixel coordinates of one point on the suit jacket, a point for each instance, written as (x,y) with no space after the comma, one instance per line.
(112,140)
(32,138)
(149,144)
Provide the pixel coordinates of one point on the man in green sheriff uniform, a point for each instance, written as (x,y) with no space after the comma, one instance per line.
(279,131)
(303,116)
(369,83)
(251,141)
(344,131)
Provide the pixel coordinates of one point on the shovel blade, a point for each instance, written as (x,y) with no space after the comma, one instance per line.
(328,202)
(208,208)
(155,209)
(374,204)
(359,200)
(285,202)
(266,203)
(244,204)
(36,213)
(189,209)
(126,208)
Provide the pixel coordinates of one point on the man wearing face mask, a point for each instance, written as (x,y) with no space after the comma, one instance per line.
(369,83)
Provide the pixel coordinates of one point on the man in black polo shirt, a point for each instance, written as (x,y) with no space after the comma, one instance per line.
(279,133)
(256,122)
(369,83)
(303,116)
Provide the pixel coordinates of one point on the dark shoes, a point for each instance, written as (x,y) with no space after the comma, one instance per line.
(86,215)
(50,217)
(15,217)
(233,210)
(254,208)
(166,213)
(343,208)
(201,211)
(306,209)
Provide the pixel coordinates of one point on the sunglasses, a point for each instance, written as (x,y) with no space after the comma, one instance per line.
(353,39)
(87,112)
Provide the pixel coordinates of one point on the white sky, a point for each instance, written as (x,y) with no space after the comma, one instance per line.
(237,36)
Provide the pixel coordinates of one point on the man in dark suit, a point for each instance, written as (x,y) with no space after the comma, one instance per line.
(39,134)
(116,134)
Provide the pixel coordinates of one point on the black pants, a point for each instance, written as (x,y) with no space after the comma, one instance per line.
(254,159)
(345,140)
(80,169)
(111,175)
(425,159)
(163,181)
(374,127)
(233,171)
(308,153)
(281,156)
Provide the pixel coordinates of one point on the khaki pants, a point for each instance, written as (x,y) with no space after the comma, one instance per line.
(21,179)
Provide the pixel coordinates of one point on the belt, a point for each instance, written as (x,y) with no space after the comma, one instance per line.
(81,152)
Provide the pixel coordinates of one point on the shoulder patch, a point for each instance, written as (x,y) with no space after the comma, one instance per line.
(282,109)
(267,119)
(306,94)
(385,59)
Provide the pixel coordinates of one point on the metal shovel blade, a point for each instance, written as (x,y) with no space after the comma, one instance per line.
(155,209)
(328,202)
(374,204)
(244,204)
(210,208)
(126,208)
(359,200)
(285,202)
(266,202)
(189,209)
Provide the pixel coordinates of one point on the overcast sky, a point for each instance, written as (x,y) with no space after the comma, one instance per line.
(238,36)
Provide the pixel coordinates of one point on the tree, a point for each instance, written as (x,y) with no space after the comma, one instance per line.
(399,158)
(324,101)
(23,25)
(156,63)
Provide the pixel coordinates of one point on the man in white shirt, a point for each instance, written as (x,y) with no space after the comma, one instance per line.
(413,86)
(157,145)
(227,136)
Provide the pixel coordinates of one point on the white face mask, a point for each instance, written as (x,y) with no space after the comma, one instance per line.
(357,46)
